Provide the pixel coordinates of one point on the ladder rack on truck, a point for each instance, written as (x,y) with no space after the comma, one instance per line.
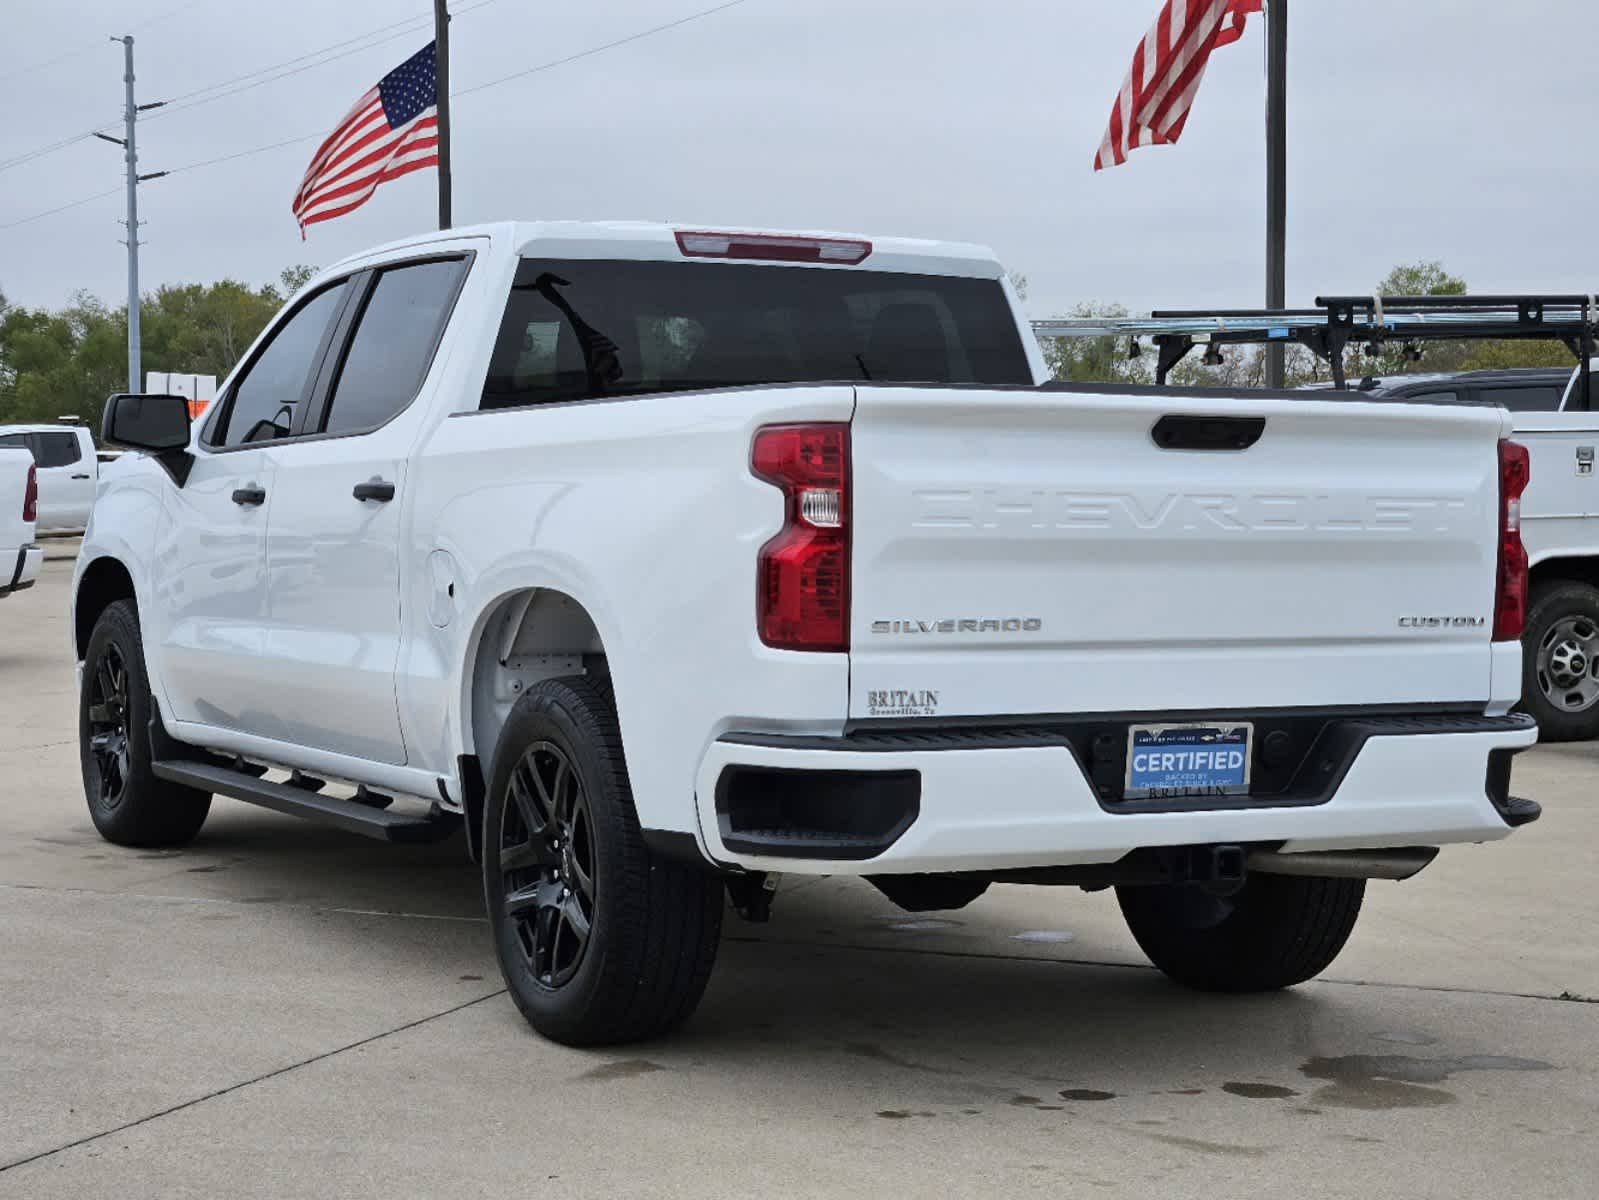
(1328,329)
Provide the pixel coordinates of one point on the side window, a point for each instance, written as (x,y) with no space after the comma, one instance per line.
(265,400)
(17,441)
(1439,397)
(1525,399)
(393,344)
(56,449)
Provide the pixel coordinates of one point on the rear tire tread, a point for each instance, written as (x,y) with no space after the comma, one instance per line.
(1284,930)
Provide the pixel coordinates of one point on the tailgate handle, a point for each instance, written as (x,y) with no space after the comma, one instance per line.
(1174,432)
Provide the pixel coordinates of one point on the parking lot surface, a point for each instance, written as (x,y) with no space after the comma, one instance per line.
(285,1010)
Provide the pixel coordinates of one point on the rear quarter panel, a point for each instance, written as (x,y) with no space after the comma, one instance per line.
(644,511)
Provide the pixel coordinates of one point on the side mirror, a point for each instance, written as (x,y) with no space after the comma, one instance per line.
(146,422)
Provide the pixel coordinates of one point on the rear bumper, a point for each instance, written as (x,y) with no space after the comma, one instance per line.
(980,800)
(24,569)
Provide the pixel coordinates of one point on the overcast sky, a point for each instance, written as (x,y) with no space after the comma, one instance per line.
(1452,129)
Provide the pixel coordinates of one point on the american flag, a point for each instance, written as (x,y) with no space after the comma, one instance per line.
(393,129)
(1167,67)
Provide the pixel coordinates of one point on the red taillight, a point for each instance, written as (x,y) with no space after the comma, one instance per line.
(696,243)
(30,496)
(1510,596)
(802,577)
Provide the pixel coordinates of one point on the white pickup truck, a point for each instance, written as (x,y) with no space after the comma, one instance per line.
(20,557)
(671,561)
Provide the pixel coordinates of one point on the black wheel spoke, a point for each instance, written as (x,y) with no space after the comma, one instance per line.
(106,713)
(530,855)
(534,895)
(546,863)
(576,919)
(527,805)
(545,799)
(564,791)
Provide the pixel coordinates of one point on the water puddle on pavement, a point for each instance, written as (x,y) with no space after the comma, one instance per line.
(1384,1081)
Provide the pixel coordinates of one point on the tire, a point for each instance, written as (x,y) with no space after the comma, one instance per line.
(128,804)
(599,940)
(1276,931)
(1560,662)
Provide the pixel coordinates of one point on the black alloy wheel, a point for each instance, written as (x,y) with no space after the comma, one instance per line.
(108,726)
(600,940)
(128,803)
(546,851)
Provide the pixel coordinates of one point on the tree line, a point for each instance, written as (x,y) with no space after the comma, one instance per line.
(65,362)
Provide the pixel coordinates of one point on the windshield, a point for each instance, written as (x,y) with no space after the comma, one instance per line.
(577,329)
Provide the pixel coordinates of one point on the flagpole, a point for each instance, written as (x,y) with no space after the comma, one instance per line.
(1276,173)
(441,66)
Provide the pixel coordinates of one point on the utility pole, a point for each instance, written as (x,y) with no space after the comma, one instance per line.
(441,71)
(130,154)
(130,116)
(1276,174)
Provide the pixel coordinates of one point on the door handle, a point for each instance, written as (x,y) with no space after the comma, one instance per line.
(80,477)
(380,490)
(249,496)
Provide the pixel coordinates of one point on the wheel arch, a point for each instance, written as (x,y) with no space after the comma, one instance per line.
(522,636)
(1569,568)
(102,583)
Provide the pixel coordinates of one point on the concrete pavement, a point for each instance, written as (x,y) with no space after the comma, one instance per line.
(284,1010)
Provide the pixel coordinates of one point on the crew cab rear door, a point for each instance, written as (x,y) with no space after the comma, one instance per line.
(334,539)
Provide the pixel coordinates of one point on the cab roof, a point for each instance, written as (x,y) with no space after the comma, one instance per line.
(658,241)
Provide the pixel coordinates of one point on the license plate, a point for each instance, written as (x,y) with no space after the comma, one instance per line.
(1188,760)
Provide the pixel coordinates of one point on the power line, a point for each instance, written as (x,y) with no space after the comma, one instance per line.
(28,156)
(221,88)
(217,91)
(622,41)
(50,212)
(305,137)
(50,62)
(249,80)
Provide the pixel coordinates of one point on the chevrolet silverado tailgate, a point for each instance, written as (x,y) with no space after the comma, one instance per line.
(1028,551)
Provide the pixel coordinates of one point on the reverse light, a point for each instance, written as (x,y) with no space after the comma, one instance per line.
(1510,593)
(802,574)
(30,496)
(776,247)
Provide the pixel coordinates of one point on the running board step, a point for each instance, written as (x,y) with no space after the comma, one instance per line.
(349,815)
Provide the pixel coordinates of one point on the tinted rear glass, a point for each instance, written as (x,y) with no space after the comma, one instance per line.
(1525,399)
(56,449)
(580,329)
(393,344)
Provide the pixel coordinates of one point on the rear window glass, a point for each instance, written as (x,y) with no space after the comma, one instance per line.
(1525,399)
(393,344)
(57,449)
(575,330)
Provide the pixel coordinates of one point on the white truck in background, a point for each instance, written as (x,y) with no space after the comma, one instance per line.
(68,470)
(669,561)
(20,557)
